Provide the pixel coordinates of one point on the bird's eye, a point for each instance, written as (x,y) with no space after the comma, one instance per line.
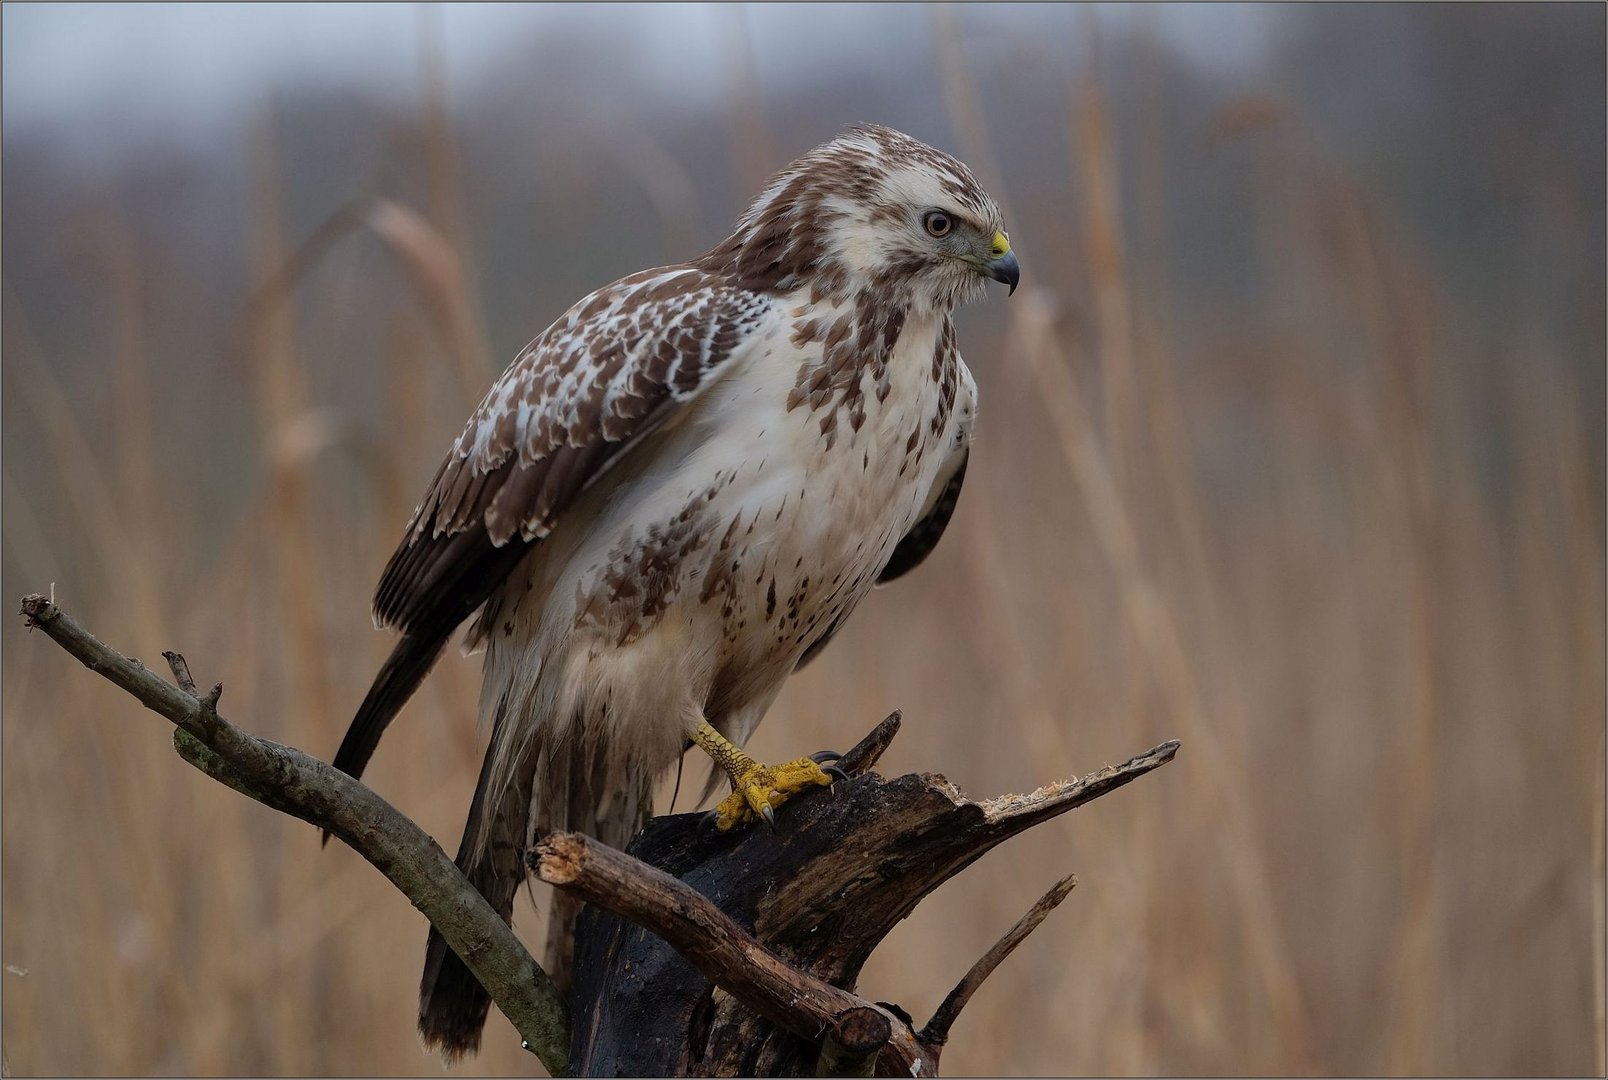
(938,223)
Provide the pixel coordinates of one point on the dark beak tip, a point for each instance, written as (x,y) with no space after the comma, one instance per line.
(1005,270)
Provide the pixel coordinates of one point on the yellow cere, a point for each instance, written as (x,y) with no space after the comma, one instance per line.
(1002,244)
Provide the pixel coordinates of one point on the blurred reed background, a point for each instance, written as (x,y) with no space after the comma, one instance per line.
(1292,447)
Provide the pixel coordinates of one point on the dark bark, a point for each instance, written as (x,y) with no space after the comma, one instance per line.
(820,891)
(779,920)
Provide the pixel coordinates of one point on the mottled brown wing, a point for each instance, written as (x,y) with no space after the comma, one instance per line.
(598,380)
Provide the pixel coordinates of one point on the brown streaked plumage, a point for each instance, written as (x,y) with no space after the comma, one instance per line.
(675,496)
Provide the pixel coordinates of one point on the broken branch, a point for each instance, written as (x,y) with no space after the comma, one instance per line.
(725,953)
(297,784)
(936,1033)
(853,1042)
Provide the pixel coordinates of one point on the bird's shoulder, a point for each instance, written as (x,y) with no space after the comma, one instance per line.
(583,393)
(605,371)
(611,357)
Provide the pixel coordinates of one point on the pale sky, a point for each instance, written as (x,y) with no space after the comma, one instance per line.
(110,71)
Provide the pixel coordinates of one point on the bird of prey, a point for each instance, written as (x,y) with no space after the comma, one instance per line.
(675,495)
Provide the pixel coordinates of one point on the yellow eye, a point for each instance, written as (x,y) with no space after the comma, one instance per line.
(938,223)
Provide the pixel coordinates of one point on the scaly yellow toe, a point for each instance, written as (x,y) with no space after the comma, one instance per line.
(762,788)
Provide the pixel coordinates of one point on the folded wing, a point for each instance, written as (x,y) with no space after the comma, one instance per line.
(577,399)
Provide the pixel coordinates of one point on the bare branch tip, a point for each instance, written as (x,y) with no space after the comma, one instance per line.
(936,1032)
(864,755)
(212,696)
(38,609)
(181,671)
(557,858)
(1063,888)
(852,1042)
(861,1028)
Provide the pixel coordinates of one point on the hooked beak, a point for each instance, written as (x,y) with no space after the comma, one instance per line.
(1004,269)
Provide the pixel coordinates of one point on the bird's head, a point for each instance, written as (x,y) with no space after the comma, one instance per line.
(873,210)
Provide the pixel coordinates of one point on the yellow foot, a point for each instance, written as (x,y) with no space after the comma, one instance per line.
(762,788)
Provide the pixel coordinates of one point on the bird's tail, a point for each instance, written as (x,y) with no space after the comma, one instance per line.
(557,785)
(410,661)
(452,1003)
(581,789)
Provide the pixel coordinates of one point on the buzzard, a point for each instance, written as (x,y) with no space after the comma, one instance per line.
(674,497)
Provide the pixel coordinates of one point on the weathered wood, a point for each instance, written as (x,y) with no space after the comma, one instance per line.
(842,867)
(772,925)
(723,952)
(297,784)
(853,1042)
(936,1031)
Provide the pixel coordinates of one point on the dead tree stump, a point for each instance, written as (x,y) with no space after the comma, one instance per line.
(701,953)
(820,891)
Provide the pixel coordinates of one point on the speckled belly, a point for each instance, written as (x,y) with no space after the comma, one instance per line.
(772,523)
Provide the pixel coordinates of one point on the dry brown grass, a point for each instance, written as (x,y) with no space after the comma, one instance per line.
(1379,850)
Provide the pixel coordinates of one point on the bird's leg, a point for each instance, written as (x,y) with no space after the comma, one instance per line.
(756,789)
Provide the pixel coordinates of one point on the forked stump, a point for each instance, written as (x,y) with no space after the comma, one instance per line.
(809,901)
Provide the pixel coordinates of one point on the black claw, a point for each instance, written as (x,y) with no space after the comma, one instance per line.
(824,758)
(709,823)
